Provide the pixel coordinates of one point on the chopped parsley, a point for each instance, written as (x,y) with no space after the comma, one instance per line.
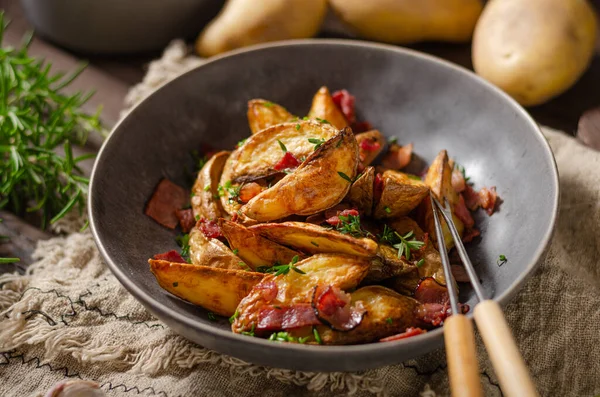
(389,320)
(183,241)
(297,127)
(393,140)
(322,121)
(317,336)
(387,209)
(420,262)
(344,176)
(501,260)
(197,217)
(286,337)
(249,333)
(244,266)
(317,142)
(415,177)
(235,251)
(211,316)
(206,188)
(235,315)
(268,104)
(315,244)
(241,143)
(281,269)
(200,160)
(305,118)
(282,146)
(233,191)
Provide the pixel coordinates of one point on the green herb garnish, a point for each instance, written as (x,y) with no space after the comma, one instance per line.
(206,188)
(244,266)
(282,146)
(344,176)
(393,140)
(235,251)
(501,260)
(183,241)
(415,177)
(297,127)
(241,143)
(235,315)
(317,142)
(420,262)
(461,169)
(268,104)
(350,224)
(286,337)
(322,121)
(281,269)
(387,209)
(211,316)
(389,320)
(404,244)
(315,244)
(317,336)
(9,260)
(249,333)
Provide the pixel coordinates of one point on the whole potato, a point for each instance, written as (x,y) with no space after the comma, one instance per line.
(534,49)
(409,21)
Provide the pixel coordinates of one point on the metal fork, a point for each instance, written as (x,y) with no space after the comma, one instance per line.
(459,337)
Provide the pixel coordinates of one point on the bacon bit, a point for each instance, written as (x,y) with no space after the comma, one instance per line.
(361,126)
(460,273)
(275,318)
(268,290)
(432,314)
(170,256)
(335,219)
(377,187)
(458,181)
(430,291)
(462,212)
(248,191)
(410,331)
(210,229)
(186,219)
(397,157)
(288,161)
(487,199)
(470,234)
(471,198)
(332,306)
(345,102)
(370,145)
(235,217)
(166,199)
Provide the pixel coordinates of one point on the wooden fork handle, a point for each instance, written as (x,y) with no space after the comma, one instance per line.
(461,357)
(508,363)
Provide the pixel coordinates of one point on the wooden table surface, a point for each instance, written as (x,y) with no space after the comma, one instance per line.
(111,77)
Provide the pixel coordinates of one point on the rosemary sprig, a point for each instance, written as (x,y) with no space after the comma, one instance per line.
(38,122)
(350,224)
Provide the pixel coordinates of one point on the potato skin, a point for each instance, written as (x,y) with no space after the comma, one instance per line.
(360,195)
(204,204)
(376,137)
(324,108)
(534,49)
(215,289)
(314,186)
(401,194)
(263,114)
(211,252)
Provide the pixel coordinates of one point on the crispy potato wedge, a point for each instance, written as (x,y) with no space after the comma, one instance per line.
(320,182)
(324,108)
(439,180)
(263,114)
(342,271)
(215,289)
(212,253)
(205,202)
(388,313)
(314,239)
(261,152)
(360,195)
(387,265)
(254,249)
(370,144)
(401,194)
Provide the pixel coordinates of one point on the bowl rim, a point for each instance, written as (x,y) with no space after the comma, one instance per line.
(433,336)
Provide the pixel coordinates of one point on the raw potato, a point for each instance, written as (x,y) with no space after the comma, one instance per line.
(439,180)
(409,21)
(246,22)
(252,248)
(263,114)
(217,290)
(212,253)
(534,49)
(401,194)
(360,195)
(376,138)
(314,186)
(261,152)
(324,108)
(204,204)
(314,239)
(342,271)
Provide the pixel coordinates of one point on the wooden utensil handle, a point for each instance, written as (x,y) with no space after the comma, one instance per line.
(461,357)
(503,352)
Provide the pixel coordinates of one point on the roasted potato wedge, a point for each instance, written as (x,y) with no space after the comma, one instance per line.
(320,182)
(212,253)
(314,239)
(439,180)
(205,202)
(254,249)
(360,195)
(388,313)
(387,265)
(401,194)
(263,114)
(342,271)
(215,289)
(370,144)
(324,108)
(262,151)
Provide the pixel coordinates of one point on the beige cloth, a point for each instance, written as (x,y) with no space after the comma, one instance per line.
(69,317)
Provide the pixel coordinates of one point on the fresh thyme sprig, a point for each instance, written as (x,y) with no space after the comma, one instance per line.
(404,244)
(183,241)
(350,224)
(282,269)
(37,121)
(286,337)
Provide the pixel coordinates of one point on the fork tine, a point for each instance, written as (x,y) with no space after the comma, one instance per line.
(462,252)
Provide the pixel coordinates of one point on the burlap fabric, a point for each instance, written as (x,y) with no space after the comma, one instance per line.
(68,317)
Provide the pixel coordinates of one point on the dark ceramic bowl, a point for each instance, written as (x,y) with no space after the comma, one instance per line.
(403,93)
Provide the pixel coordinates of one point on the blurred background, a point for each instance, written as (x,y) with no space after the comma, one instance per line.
(544,53)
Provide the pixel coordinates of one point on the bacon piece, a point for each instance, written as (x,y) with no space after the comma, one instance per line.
(432,314)
(397,157)
(345,102)
(209,228)
(369,145)
(249,190)
(335,220)
(410,331)
(471,198)
(361,126)
(430,291)
(288,161)
(460,273)
(458,181)
(186,219)
(377,188)
(275,318)
(268,290)
(463,213)
(332,306)
(470,234)
(487,199)
(166,199)
(170,256)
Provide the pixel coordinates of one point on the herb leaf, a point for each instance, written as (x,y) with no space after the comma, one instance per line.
(184,243)
(317,142)
(344,176)
(501,260)
(350,224)
(235,315)
(317,336)
(281,269)
(282,146)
